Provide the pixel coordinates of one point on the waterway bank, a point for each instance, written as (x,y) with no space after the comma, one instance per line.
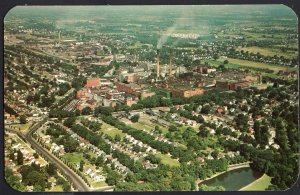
(230,168)
(258,185)
(235,179)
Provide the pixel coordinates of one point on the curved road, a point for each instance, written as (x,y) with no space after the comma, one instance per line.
(76,180)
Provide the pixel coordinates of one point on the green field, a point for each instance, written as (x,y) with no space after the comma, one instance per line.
(22,127)
(98,184)
(262,86)
(237,63)
(258,185)
(167,160)
(268,51)
(110,130)
(57,188)
(74,158)
(141,126)
(136,45)
(145,123)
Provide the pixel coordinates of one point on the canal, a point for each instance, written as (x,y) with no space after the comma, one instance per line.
(234,180)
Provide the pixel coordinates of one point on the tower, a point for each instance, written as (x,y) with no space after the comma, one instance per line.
(59,37)
(170,66)
(157,66)
(58,43)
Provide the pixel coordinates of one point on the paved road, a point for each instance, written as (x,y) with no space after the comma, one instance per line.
(77,181)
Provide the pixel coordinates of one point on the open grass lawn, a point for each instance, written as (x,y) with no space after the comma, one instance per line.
(167,160)
(257,64)
(219,62)
(22,127)
(258,185)
(99,184)
(110,130)
(57,188)
(262,86)
(260,36)
(141,126)
(148,125)
(136,45)
(74,158)
(269,51)
(184,127)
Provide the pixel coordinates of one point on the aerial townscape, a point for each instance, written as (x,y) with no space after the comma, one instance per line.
(151,98)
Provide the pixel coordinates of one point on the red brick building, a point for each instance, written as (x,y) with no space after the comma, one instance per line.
(128,88)
(232,85)
(187,93)
(95,82)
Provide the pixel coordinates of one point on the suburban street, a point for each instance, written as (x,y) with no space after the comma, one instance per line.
(77,181)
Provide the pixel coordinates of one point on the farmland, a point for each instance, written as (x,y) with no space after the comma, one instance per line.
(269,51)
(237,63)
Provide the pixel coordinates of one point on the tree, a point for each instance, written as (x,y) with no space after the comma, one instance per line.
(51,169)
(86,111)
(99,161)
(221,67)
(70,144)
(203,131)
(35,178)
(135,118)
(153,159)
(204,187)
(38,188)
(81,165)
(11,155)
(19,157)
(157,129)
(225,62)
(257,132)
(172,128)
(205,109)
(112,178)
(13,181)
(35,155)
(77,112)
(117,138)
(130,177)
(216,56)
(94,125)
(281,137)
(66,187)
(242,122)
(69,122)
(215,154)
(23,119)
(105,110)
(265,135)
(180,185)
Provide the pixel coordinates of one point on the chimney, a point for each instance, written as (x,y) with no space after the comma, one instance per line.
(157,66)
(59,37)
(170,66)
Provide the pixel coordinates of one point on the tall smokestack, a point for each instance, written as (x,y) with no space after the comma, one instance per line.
(170,66)
(157,66)
(59,37)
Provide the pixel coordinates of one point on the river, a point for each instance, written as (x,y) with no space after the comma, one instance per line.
(235,179)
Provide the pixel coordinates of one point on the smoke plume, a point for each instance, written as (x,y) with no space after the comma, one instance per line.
(163,39)
(186,18)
